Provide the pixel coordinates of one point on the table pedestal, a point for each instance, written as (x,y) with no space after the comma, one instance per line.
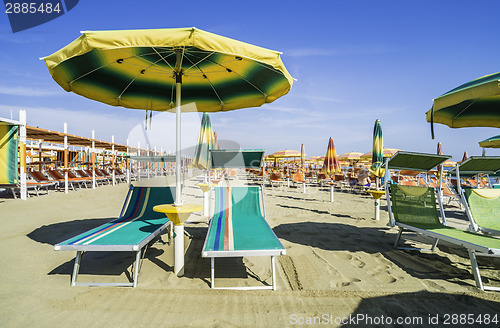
(178,215)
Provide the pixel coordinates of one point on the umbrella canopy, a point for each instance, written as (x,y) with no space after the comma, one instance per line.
(387,152)
(331,164)
(377,154)
(205,143)
(350,156)
(146,69)
(475,103)
(493,142)
(285,154)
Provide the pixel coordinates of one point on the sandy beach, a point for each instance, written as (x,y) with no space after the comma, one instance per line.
(340,269)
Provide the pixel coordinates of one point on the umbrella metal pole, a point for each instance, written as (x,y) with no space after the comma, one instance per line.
(377,201)
(178,191)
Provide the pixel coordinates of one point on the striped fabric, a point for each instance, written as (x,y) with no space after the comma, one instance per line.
(134,69)
(136,223)
(9,174)
(238,223)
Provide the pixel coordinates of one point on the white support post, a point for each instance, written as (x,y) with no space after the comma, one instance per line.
(22,153)
(93,159)
(113,157)
(128,165)
(139,163)
(66,180)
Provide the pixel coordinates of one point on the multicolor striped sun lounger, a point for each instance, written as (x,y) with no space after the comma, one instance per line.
(239,229)
(136,227)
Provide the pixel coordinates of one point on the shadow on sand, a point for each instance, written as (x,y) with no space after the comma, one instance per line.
(377,240)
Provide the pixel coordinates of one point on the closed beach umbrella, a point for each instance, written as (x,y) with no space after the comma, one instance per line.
(205,143)
(302,157)
(466,156)
(473,104)
(439,151)
(331,163)
(216,142)
(146,69)
(377,156)
(493,142)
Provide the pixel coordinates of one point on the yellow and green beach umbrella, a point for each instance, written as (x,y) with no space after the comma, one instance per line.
(493,142)
(205,143)
(377,153)
(331,164)
(178,70)
(473,104)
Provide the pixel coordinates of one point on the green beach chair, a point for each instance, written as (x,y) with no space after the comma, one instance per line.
(482,205)
(136,227)
(414,208)
(238,228)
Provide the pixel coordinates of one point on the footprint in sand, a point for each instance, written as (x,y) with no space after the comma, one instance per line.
(344,283)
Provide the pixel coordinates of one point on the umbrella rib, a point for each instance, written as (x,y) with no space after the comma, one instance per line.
(210,82)
(135,78)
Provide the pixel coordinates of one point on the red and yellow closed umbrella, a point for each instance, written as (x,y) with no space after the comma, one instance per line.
(331,164)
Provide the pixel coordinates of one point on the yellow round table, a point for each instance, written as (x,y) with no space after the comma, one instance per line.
(178,215)
(377,194)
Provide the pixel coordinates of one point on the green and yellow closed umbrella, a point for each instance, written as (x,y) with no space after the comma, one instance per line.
(473,104)
(205,144)
(376,168)
(377,154)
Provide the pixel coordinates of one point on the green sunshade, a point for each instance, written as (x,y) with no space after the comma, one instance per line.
(239,158)
(479,164)
(473,104)
(377,153)
(404,160)
(493,142)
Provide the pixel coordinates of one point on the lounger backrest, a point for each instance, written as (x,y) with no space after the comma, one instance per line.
(238,222)
(143,199)
(484,205)
(55,174)
(414,205)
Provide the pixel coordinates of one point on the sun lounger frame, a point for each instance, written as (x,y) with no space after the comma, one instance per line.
(139,249)
(474,250)
(243,253)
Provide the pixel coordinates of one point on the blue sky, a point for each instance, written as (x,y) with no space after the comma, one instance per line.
(354,61)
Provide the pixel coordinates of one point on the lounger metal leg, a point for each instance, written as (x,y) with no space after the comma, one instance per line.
(76,268)
(398,237)
(475,269)
(136,270)
(212,272)
(434,245)
(273,281)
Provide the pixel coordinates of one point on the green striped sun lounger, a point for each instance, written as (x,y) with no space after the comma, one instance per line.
(238,229)
(137,226)
(414,208)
